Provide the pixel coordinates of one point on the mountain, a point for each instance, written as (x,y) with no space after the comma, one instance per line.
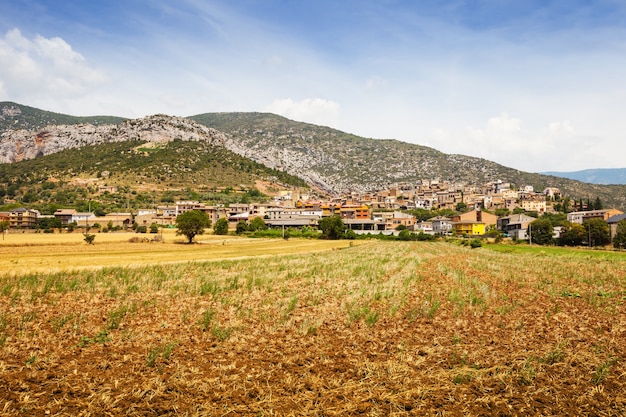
(594,176)
(17,116)
(340,162)
(327,159)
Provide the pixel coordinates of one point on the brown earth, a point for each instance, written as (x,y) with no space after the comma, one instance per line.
(380,329)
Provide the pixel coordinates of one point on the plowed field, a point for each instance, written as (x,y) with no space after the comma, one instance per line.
(382,328)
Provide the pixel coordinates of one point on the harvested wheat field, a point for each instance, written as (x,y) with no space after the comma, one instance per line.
(383,328)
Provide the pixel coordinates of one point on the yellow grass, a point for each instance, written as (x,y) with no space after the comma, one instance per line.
(22,253)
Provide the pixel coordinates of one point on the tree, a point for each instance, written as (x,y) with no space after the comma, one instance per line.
(461,207)
(242,227)
(221,227)
(89,238)
(541,231)
(4,226)
(598,204)
(598,232)
(257,224)
(192,223)
(619,241)
(332,227)
(573,234)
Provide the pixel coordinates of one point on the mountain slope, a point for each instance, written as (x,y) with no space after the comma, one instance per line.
(17,116)
(136,174)
(339,162)
(595,176)
(326,158)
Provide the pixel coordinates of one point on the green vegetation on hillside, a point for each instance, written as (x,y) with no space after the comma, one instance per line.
(335,160)
(32,118)
(143,175)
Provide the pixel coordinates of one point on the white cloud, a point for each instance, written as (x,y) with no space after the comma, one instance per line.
(42,67)
(311,110)
(558,146)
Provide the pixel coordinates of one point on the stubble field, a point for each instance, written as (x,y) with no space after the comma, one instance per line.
(380,328)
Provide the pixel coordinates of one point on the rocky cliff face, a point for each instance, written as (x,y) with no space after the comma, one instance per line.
(18,145)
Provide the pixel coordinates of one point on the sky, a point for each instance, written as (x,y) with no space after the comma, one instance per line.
(533,85)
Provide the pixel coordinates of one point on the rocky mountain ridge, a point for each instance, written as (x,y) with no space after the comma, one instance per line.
(330,160)
(21,144)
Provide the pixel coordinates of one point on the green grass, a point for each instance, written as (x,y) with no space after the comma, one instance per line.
(550,251)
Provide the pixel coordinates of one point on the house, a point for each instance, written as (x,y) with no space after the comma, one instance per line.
(515,225)
(473,222)
(83,219)
(613,222)
(65,215)
(4,216)
(478,216)
(393,219)
(185,206)
(534,203)
(582,216)
(424,227)
(292,217)
(22,218)
(123,220)
(441,225)
(354,212)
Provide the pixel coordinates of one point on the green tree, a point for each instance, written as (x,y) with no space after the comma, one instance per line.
(405,235)
(461,207)
(242,227)
(221,226)
(598,204)
(619,241)
(4,226)
(501,212)
(573,234)
(598,232)
(257,224)
(89,238)
(192,223)
(154,228)
(541,231)
(332,227)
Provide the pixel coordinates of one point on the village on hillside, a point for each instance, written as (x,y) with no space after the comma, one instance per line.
(473,211)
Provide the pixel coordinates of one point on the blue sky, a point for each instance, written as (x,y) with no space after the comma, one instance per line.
(534,85)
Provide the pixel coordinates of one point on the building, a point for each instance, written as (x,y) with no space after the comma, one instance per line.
(473,222)
(21,218)
(65,215)
(424,227)
(441,225)
(515,225)
(613,222)
(123,220)
(582,216)
(393,219)
(292,217)
(354,212)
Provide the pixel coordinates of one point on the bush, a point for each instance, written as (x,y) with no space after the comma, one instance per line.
(221,227)
(475,243)
(141,229)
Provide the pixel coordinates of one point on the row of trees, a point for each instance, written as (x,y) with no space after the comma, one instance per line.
(593,232)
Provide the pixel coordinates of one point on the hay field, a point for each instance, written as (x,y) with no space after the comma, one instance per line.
(384,328)
(36,253)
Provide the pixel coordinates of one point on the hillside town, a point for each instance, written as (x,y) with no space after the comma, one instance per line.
(472,211)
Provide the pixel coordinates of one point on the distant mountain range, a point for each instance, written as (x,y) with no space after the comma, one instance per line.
(604,176)
(329,160)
